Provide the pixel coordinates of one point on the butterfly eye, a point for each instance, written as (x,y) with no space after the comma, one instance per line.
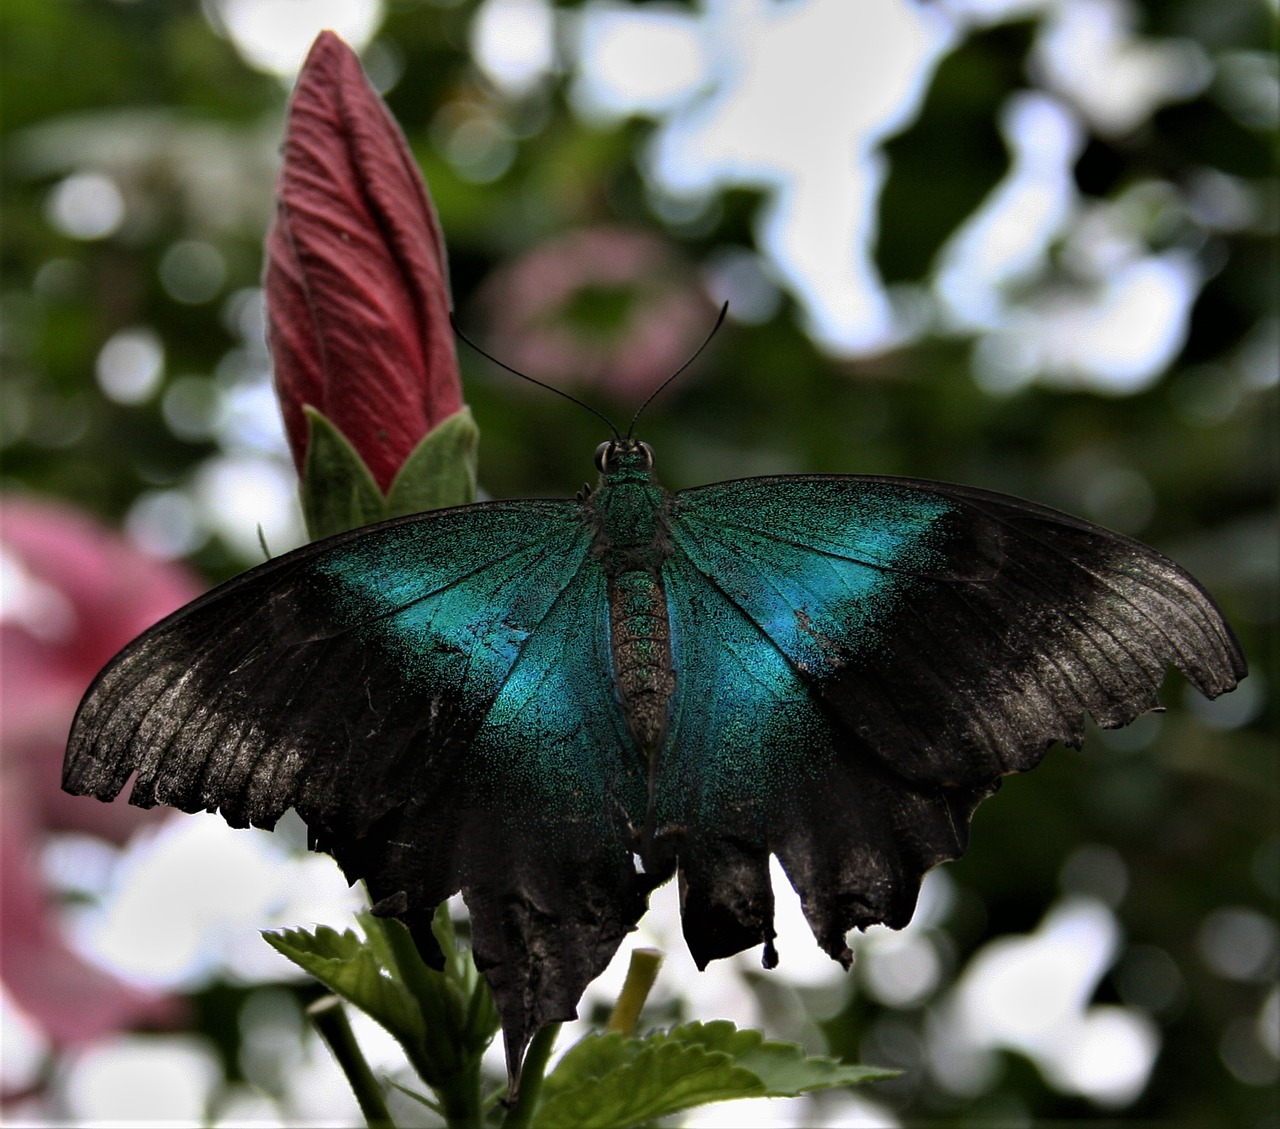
(648,454)
(602,457)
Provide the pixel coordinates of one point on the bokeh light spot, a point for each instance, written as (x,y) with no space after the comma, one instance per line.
(1269,1023)
(1148,977)
(1031,994)
(1111,1056)
(271,1034)
(514,42)
(38,607)
(239,494)
(1230,711)
(186,903)
(1245,1055)
(192,407)
(60,279)
(742,278)
(1096,870)
(130,365)
(1239,943)
(480,149)
(1089,38)
(275,35)
(1120,498)
(1248,84)
(901,970)
(632,60)
(192,272)
(165,523)
(23,1047)
(86,205)
(140,1079)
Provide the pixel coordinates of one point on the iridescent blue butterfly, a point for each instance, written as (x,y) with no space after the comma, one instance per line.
(553,705)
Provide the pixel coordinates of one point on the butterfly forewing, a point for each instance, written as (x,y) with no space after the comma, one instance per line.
(299,661)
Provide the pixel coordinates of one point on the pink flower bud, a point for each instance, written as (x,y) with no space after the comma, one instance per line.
(356,278)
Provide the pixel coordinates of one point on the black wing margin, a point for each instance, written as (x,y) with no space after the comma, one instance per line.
(1038,619)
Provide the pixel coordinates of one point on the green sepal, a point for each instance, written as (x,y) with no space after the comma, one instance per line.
(440,471)
(338,491)
(611,1081)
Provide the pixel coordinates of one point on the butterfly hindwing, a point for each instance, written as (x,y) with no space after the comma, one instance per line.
(724,757)
(555,889)
(926,640)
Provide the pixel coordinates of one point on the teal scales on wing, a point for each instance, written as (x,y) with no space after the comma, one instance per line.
(553,705)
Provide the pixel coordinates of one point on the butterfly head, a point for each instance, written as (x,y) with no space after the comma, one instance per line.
(624,458)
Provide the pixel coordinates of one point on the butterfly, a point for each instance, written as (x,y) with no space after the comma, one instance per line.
(554,705)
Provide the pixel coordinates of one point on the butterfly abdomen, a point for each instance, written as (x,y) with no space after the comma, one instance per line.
(632,543)
(640,644)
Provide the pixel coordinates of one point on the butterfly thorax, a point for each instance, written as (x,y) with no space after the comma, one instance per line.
(629,511)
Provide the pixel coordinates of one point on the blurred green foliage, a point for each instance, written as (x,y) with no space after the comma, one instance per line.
(150,95)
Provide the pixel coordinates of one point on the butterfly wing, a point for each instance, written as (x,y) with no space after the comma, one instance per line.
(426,694)
(894,647)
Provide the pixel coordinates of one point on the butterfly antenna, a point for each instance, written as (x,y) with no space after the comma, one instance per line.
(453,321)
(696,354)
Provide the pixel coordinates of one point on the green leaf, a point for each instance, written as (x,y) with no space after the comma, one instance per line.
(438,995)
(338,491)
(421,1099)
(440,471)
(661,1079)
(443,1020)
(612,1080)
(456,999)
(349,966)
(784,1068)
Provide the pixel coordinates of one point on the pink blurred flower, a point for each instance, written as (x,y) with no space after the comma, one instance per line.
(356,279)
(74,594)
(604,305)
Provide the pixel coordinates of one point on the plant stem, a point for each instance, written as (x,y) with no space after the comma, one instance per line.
(460,1097)
(329,1019)
(641,973)
(535,1069)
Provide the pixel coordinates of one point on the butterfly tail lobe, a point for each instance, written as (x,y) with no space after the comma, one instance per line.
(726,900)
(548,912)
(869,838)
